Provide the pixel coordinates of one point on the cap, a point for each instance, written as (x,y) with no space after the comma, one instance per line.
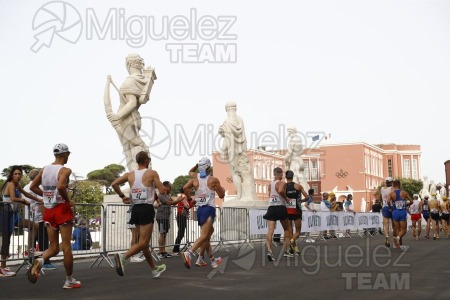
(444,198)
(426,197)
(203,164)
(415,196)
(389,179)
(289,174)
(60,148)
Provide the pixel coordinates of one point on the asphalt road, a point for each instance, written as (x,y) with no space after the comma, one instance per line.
(354,268)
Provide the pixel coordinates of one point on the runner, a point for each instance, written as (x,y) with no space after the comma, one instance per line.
(276,211)
(205,187)
(386,211)
(142,182)
(399,215)
(58,215)
(425,209)
(416,217)
(294,193)
(435,210)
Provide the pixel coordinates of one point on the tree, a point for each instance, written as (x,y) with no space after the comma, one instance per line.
(25,179)
(87,195)
(106,175)
(179,182)
(409,185)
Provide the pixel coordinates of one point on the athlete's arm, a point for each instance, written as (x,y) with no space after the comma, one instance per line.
(192,171)
(116,187)
(63,179)
(215,184)
(187,188)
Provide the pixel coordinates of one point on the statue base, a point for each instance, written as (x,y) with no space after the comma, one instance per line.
(246,203)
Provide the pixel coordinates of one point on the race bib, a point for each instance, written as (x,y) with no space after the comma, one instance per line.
(275,200)
(201,200)
(49,198)
(291,203)
(425,207)
(139,195)
(399,205)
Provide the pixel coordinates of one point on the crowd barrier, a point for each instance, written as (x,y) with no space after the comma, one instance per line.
(110,232)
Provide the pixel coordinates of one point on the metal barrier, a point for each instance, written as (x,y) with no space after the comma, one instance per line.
(110,232)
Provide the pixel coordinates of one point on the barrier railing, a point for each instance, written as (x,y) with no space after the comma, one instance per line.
(110,231)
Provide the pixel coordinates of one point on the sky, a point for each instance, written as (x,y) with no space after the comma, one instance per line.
(362,71)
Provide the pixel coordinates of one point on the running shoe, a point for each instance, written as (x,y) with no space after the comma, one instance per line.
(159,269)
(292,245)
(49,267)
(120,263)
(297,250)
(33,272)
(288,254)
(162,255)
(216,262)
(74,284)
(168,255)
(6,272)
(270,256)
(201,263)
(136,259)
(186,257)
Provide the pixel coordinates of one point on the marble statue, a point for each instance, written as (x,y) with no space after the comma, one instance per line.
(293,159)
(425,191)
(441,190)
(234,152)
(134,91)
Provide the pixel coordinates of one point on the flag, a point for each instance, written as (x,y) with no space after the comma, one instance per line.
(328,136)
(315,138)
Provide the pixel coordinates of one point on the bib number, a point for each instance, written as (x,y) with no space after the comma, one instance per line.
(399,204)
(291,203)
(201,200)
(49,199)
(139,195)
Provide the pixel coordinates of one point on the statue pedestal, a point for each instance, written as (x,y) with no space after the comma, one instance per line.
(243,203)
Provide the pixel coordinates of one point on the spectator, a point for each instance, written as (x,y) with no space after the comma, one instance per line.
(81,236)
(182,216)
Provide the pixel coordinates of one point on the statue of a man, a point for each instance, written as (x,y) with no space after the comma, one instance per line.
(234,151)
(293,159)
(133,92)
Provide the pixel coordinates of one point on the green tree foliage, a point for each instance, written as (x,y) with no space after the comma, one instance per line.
(25,179)
(409,185)
(178,183)
(106,175)
(85,194)
(26,170)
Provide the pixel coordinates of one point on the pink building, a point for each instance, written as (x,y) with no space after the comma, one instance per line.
(350,168)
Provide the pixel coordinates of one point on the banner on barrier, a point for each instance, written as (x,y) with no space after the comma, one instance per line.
(320,221)
(259,225)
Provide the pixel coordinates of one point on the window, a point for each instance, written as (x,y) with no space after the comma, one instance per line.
(306,170)
(407,168)
(390,167)
(314,171)
(414,169)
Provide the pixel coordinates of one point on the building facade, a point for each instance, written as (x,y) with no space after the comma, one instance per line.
(347,168)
